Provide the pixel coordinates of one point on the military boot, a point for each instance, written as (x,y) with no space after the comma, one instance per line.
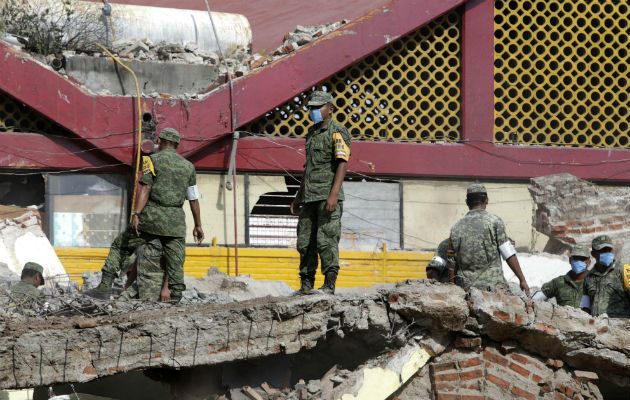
(306,288)
(104,289)
(329,283)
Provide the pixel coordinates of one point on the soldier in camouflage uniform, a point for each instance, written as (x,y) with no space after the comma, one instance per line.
(606,284)
(167,180)
(32,277)
(118,259)
(321,194)
(568,289)
(436,269)
(477,243)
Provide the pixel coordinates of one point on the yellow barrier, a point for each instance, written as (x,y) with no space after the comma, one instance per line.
(358,268)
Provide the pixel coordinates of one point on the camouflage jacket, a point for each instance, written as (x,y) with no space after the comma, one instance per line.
(172,174)
(607,292)
(323,147)
(23,289)
(437,264)
(474,249)
(566,291)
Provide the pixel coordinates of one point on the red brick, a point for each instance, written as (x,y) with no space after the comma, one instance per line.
(495,358)
(537,378)
(518,318)
(443,367)
(471,362)
(600,228)
(468,342)
(474,374)
(471,397)
(474,385)
(498,381)
(615,227)
(569,391)
(587,223)
(446,377)
(573,231)
(520,370)
(520,358)
(447,396)
(590,230)
(502,315)
(523,393)
(559,396)
(446,387)
(545,388)
(546,328)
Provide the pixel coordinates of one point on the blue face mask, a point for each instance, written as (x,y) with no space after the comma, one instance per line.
(606,258)
(578,266)
(315,116)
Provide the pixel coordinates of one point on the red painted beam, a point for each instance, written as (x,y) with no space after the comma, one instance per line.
(469,160)
(42,152)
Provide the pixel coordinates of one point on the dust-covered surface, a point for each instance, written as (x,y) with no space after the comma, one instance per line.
(127,336)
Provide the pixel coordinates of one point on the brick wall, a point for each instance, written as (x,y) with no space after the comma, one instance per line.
(571,210)
(505,372)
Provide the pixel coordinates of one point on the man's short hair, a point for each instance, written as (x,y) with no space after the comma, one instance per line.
(474,199)
(169,143)
(28,273)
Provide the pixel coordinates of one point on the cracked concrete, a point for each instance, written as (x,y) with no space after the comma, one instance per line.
(37,352)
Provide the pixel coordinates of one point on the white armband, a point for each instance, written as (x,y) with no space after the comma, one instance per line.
(507,250)
(192,193)
(586,302)
(539,296)
(440,260)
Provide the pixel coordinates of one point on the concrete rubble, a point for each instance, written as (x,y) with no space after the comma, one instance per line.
(496,344)
(197,71)
(571,210)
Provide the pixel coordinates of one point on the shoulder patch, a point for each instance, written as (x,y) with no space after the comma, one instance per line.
(344,132)
(147,166)
(626,277)
(342,151)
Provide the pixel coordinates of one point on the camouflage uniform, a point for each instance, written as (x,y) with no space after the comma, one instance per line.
(149,273)
(318,232)
(474,249)
(566,291)
(607,291)
(120,253)
(163,218)
(439,265)
(24,290)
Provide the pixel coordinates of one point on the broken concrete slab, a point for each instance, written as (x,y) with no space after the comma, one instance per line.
(210,334)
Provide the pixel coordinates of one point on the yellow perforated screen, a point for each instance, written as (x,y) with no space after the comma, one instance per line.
(561,72)
(407,92)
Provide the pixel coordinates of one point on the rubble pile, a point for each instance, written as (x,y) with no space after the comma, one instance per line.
(571,210)
(483,343)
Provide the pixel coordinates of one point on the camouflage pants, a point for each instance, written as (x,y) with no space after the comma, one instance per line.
(174,254)
(149,273)
(318,232)
(120,252)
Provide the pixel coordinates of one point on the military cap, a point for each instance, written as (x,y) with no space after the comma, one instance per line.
(169,134)
(476,188)
(602,241)
(579,250)
(35,267)
(319,98)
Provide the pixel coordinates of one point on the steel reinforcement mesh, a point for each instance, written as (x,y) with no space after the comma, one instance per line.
(407,92)
(561,72)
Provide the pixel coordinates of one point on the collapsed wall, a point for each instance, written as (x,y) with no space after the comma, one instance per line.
(571,210)
(413,323)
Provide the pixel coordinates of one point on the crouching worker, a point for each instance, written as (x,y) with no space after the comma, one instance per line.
(32,277)
(569,289)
